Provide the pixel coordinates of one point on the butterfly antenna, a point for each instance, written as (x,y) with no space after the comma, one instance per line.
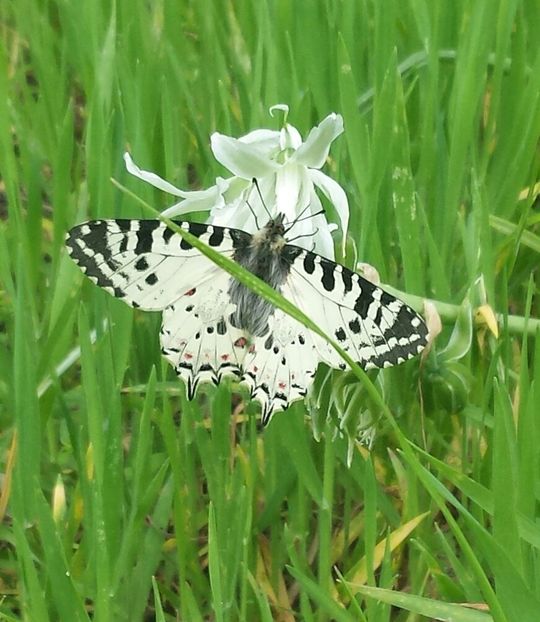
(300,219)
(256,184)
(254,214)
(304,235)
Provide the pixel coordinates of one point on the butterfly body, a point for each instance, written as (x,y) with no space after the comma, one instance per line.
(266,256)
(214,326)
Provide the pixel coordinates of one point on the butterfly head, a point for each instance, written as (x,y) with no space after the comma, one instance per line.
(272,235)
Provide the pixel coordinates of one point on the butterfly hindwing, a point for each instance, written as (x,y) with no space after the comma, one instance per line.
(143,261)
(197,337)
(279,366)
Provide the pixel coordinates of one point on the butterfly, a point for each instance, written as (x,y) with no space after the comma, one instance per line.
(213,326)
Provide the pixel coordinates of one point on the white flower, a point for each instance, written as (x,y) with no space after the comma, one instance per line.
(288,177)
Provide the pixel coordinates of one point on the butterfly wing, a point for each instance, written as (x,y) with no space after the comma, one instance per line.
(197,337)
(148,266)
(144,262)
(279,366)
(372,326)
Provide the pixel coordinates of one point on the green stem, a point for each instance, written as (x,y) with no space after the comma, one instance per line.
(325,513)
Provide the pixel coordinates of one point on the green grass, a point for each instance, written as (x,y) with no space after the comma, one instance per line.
(120,499)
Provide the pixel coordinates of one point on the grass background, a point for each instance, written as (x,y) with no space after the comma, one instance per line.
(121,500)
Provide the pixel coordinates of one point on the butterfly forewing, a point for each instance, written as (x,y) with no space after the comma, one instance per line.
(143,261)
(373,327)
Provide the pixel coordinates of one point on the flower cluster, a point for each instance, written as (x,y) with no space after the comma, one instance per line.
(288,177)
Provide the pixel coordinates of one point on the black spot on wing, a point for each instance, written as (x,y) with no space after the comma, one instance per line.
(221,327)
(144,235)
(123,244)
(124,224)
(340,334)
(151,279)
(125,227)
(111,263)
(354,325)
(365,298)
(167,235)
(197,228)
(309,263)
(141,264)
(216,239)
(378,315)
(346,276)
(328,278)
(386,298)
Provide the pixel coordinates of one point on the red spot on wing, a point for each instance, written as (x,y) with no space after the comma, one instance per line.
(282,386)
(190,292)
(224,357)
(251,348)
(240,342)
(188,356)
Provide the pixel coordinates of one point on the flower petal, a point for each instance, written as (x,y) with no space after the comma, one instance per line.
(324,243)
(261,136)
(311,232)
(290,138)
(203,200)
(336,195)
(314,151)
(243,207)
(153,179)
(243,159)
(292,190)
(194,204)
(266,142)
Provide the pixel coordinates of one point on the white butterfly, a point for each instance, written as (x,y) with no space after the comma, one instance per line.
(213,326)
